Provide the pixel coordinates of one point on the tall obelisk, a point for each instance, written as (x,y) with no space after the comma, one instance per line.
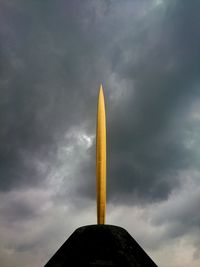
(101,158)
(100,245)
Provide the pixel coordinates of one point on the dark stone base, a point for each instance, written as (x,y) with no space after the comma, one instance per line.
(100,245)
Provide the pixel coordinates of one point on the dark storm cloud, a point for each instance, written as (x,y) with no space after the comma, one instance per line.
(55,54)
(165,86)
(42,58)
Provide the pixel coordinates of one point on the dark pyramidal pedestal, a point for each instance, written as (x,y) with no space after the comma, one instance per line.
(100,245)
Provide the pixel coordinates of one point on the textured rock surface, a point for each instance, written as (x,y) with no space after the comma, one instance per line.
(100,245)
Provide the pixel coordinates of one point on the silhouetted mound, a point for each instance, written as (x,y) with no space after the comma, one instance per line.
(100,245)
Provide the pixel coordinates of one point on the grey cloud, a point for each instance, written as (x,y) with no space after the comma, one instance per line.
(54,55)
(19,210)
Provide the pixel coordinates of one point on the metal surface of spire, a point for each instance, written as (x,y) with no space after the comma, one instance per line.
(101,158)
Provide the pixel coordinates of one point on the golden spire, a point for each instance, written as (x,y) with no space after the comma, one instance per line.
(101,158)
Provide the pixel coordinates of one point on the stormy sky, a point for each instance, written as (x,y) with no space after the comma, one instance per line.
(53,57)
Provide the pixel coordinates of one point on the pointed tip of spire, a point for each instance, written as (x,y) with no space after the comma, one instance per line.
(101,89)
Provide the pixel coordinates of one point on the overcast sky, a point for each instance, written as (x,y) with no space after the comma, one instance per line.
(53,57)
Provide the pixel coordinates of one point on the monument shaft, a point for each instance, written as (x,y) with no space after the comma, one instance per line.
(101,158)
(100,245)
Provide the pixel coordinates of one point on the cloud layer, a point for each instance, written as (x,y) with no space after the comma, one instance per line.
(53,56)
